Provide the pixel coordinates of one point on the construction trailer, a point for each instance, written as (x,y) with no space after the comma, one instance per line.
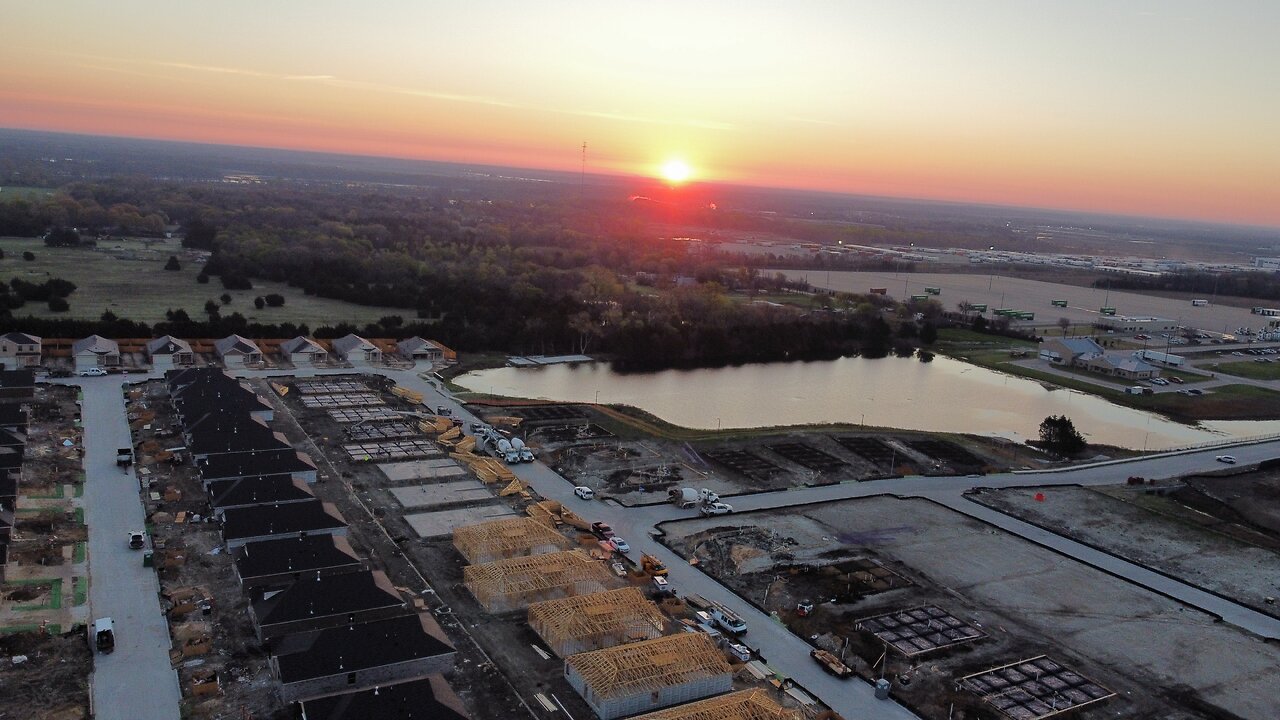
(742,705)
(593,622)
(501,539)
(645,676)
(516,583)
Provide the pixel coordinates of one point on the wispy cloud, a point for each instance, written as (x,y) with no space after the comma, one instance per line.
(218,70)
(810,121)
(335,81)
(623,117)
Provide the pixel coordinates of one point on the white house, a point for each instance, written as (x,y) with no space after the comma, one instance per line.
(356,350)
(237,351)
(95,351)
(416,348)
(303,351)
(169,352)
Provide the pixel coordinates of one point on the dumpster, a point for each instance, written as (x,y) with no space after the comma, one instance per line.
(147,559)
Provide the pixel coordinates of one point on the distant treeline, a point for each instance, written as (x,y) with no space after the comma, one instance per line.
(1256,285)
(183,327)
(520,277)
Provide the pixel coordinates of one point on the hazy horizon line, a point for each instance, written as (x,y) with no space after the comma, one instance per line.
(624,175)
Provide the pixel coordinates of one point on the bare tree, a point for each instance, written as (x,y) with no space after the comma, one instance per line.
(1064,323)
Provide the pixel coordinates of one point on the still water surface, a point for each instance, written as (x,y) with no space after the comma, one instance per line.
(944,395)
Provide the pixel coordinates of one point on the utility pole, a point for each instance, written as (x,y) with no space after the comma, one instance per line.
(582,179)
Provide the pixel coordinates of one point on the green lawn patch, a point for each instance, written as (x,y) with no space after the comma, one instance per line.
(962,335)
(80,591)
(81,550)
(52,602)
(130,281)
(1229,402)
(1248,369)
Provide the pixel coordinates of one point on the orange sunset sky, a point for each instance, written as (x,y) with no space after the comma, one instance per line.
(1160,107)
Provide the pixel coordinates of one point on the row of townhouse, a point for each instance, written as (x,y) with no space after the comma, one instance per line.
(343,640)
(22,350)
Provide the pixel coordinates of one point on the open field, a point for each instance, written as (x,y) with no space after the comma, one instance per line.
(1034,296)
(1163,659)
(128,278)
(13,192)
(1247,369)
(1119,521)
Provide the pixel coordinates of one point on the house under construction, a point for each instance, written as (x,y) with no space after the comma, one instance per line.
(515,583)
(645,676)
(593,622)
(742,705)
(500,539)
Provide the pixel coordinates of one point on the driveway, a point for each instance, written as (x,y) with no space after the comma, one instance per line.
(136,681)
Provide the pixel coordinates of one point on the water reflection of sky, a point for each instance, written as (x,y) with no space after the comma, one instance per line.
(944,395)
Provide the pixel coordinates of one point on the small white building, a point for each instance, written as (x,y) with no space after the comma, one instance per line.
(236,351)
(95,351)
(356,350)
(303,351)
(169,352)
(416,348)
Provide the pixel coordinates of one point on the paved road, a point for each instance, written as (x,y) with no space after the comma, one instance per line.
(788,653)
(136,681)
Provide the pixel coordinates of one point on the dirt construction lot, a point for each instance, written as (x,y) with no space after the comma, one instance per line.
(1163,659)
(1126,522)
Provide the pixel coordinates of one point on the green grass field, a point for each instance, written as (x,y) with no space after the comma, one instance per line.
(1249,369)
(128,278)
(11,192)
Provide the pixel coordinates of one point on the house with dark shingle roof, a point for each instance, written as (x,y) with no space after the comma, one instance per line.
(429,699)
(249,435)
(416,348)
(319,601)
(237,351)
(303,351)
(17,385)
(279,563)
(277,522)
(232,466)
(168,352)
(260,490)
(356,350)
(361,657)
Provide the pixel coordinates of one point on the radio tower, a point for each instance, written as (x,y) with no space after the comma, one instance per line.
(582,180)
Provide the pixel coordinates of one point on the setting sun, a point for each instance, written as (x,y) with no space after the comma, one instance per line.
(676,170)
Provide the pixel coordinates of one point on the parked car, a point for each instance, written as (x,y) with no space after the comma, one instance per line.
(102,635)
(601,530)
(715,509)
(137,539)
(1195,391)
(584,492)
(93,372)
(1159,381)
(1175,380)
(619,544)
